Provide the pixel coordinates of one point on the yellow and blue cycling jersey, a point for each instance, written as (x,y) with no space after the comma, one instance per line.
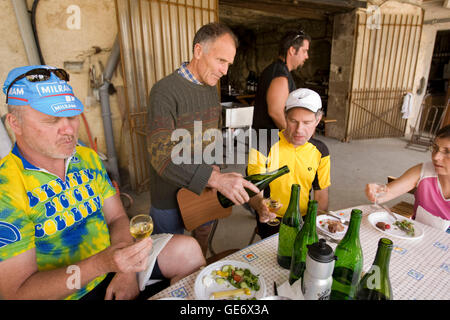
(309,167)
(62,220)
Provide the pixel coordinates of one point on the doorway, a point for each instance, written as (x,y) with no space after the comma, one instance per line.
(438,79)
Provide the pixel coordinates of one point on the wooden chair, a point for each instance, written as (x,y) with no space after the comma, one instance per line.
(323,124)
(403,208)
(199,209)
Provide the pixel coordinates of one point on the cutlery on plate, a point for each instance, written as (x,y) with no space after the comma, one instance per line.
(388,211)
(341,219)
(333,214)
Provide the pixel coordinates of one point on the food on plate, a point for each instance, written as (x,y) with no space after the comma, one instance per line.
(207,281)
(406,226)
(242,279)
(334,225)
(383,225)
(231,293)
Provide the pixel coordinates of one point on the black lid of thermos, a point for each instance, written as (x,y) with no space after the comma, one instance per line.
(321,252)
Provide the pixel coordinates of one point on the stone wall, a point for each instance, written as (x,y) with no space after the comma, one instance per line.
(340,73)
(64,45)
(258,49)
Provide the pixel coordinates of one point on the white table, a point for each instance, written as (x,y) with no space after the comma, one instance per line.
(419,269)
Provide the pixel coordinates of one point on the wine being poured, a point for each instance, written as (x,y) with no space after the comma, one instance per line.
(261,181)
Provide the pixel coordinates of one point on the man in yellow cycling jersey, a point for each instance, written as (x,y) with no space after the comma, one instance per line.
(308,160)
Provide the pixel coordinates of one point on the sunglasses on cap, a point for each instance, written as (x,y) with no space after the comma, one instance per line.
(301,33)
(39,74)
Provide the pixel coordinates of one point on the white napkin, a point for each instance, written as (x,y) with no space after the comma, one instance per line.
(427,218)
(294,292)
(159,242)
(407,104)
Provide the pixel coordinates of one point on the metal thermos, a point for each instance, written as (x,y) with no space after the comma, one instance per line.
(317,279)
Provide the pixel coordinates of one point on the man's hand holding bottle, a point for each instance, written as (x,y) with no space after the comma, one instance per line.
(232,185)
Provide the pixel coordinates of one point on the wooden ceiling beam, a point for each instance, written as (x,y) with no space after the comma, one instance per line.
(318,8)
(293,11)
(348,4)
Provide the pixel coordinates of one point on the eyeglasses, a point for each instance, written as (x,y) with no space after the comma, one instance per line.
(435,149)
(39,74)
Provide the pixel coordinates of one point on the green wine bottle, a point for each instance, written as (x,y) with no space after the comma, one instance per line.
(349,263)
(290,225)
(306,236)
(259,180)
(375,285)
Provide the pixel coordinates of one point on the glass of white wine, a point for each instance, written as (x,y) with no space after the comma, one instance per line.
(380,190)
(141,226)
(273,206)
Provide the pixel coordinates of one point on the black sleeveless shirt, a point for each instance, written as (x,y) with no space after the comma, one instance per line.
(261,118)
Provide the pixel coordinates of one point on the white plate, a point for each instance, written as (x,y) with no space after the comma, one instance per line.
(394,231)
(323,227)
(204,293)
(346,214)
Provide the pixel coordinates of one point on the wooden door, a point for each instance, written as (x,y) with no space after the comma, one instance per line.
(384,65)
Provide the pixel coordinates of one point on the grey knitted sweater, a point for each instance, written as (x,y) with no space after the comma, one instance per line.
(175,103)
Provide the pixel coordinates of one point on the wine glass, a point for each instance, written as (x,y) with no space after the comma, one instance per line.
(380,190)
(141,226)
(273,206)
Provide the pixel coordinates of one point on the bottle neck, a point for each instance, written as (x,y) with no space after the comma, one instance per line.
(269,176)
(293,203)
(311,215)
(352,233)
(277,173)
(382,258)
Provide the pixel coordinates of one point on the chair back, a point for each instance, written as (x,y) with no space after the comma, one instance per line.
(392,178)
(199,209)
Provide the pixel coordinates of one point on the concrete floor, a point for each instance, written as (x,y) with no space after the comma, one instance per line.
(352,166)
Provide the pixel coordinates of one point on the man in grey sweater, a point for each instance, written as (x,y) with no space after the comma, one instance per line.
(190,94)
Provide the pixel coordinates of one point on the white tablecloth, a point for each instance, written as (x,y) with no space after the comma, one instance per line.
(419,269)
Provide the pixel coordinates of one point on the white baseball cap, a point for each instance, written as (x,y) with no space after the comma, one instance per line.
(304,98)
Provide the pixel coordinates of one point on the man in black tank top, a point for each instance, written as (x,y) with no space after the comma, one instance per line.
(276,81)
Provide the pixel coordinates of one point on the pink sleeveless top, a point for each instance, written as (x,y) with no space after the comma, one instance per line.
(429,194)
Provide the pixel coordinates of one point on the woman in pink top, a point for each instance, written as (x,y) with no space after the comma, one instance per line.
(432,179)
